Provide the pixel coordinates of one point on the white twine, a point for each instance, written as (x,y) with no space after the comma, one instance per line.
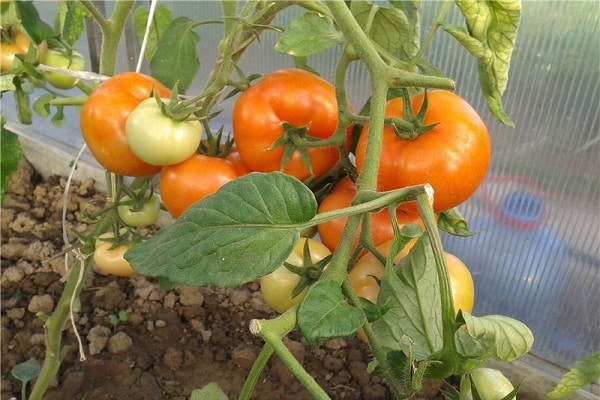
(146,34)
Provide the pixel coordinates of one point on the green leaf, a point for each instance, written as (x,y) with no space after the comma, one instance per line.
(490,37)
(413,291)
(71,20)
(175,59)
(325,314)
(453,222)
(502,337)
(23,109)
(309,34)
(388,27)
(244,231)
(211,391)
(10,155)
(7,82)
(581,373)
(160,22)
(26,370)
(58,119)
(33,24)
(42,105)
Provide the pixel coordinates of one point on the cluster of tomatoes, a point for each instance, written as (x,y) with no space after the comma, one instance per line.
(16,46)
(128,129)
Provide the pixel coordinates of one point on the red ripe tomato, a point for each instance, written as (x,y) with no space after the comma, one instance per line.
(381,225)
(103,119)
(186,183)
(453,157)
(235,160)
(295,97)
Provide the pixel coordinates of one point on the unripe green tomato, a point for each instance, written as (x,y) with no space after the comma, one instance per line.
(278,286)
(59,59)
(159,140)
(147,215)
(491,384)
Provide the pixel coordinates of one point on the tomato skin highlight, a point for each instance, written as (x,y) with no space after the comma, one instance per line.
(103,119)
(111,261)
(278,286)
(59,59)
(186,183)
(453,157)
(297,97)
(341,196)
(159,140)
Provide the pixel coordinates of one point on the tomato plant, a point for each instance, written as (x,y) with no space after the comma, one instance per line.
(183,184)
(453,157)
(290,121)
(104,116)
(142,213)
(288,102)
(283,288)
(381,225)
(158,139)
(108,256)
(491,384)
(60,59)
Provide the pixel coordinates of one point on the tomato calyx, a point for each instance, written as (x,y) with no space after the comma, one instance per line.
(410,126)
(294,138)
(214,145)
(309,271)
(177,109)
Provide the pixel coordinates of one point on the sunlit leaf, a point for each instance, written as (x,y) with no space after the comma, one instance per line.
(414,284)
(161,21)
(453,222)
(244,231)
(581,373)
(388,27)
(176,59)
(502,337)
(309,34)
(324,313)
(490,37)
(71,20)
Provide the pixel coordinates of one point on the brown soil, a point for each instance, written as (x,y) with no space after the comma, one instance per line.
(171,343)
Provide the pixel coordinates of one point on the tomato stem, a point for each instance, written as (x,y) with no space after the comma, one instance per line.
(272,331)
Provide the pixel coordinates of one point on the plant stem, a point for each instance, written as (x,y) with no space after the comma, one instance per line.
(253,19)
(443,10)
(257,368)
(55,325)
(449,353)
(272,331)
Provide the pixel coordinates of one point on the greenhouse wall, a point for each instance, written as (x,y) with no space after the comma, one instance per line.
(536,254)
